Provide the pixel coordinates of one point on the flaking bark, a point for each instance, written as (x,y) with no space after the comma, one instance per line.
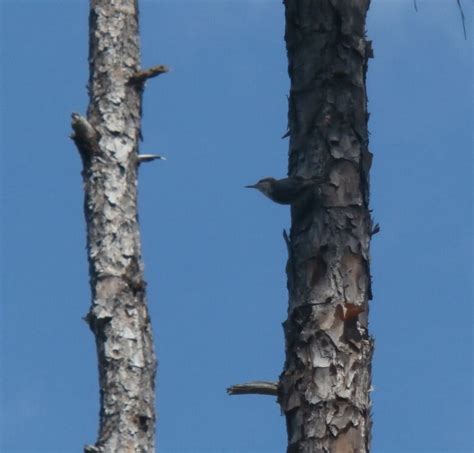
(108,143)
(325,384)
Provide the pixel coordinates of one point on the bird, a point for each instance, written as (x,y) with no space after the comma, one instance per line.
(286,190)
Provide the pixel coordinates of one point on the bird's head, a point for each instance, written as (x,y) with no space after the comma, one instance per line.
(264,185)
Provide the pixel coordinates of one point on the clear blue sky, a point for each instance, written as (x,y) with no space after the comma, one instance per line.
(214,253)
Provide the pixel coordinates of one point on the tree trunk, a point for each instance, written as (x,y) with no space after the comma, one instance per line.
(324,388)
(108,144)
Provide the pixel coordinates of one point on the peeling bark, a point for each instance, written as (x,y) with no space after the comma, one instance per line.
(118,317)
(324,388)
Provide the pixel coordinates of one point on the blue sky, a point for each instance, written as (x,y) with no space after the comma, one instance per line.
(214,253)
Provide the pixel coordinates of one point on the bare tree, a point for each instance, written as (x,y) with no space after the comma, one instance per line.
(325,384)
(108,141)
(324,388)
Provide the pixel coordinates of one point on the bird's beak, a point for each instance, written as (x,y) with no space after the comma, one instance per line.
(254,186)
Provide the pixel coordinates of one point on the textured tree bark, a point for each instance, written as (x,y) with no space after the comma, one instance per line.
(108,144)
(324,388)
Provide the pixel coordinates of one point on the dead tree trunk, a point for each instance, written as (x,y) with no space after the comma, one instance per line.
(324,388)
(108,143)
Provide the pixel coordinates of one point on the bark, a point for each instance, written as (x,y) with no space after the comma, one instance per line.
(118,316)
(324,388)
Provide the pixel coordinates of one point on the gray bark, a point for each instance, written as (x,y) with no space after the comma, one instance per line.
(324,388)
(108,143)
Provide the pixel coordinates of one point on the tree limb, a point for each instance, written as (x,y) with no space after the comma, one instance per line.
(84,135)
(149,157)
(254,388)
(142,76)
(462,18)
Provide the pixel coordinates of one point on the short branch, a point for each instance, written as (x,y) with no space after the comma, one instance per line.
(254,388)
(142,76)
(84,135)
(462,18)
(375,230)
(149,157)
(287,241)
(91,449)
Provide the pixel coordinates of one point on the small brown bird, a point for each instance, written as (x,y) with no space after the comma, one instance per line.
(286,190)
